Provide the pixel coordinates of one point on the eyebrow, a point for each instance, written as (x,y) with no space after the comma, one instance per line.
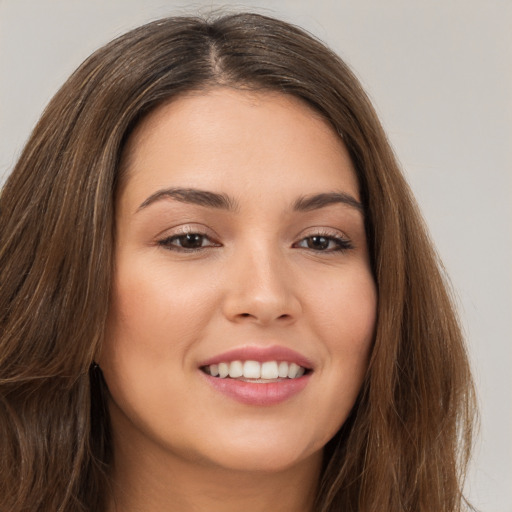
(225,202)
(193,196)
(317,201)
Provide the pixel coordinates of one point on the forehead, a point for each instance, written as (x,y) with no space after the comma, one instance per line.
(227,138)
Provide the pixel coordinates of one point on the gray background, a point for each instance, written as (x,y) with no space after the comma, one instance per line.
(440,75)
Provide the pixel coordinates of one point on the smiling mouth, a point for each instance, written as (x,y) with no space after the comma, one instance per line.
(255,371)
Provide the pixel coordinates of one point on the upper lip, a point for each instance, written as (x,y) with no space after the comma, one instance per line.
(260,354)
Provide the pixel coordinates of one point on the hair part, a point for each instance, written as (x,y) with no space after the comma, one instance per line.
(406,443)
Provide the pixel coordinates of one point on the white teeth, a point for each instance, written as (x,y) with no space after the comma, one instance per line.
(292,370)
(269,370)
(223,370)
(236,369)
(283,369)
(252,370)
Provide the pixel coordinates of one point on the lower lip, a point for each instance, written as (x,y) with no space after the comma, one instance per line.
(261,394)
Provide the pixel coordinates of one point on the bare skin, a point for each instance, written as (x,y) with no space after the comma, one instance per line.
(239,230)
(146,482)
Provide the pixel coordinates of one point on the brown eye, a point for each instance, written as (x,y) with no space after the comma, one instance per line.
(318,243)
(191,240)
(324,243)
(187,242)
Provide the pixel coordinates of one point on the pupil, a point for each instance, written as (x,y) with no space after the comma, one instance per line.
(191,241)
(318,242)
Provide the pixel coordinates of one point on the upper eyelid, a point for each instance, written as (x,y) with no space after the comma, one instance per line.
(185,229)
(323,231)
(208,232)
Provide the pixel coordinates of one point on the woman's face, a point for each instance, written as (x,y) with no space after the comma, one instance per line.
(240,248)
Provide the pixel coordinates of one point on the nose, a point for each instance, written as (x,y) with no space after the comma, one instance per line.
(260,288)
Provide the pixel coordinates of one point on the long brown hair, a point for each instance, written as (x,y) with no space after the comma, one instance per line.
(406,443)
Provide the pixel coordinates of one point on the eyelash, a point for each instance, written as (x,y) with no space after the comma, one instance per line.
(340,243)
(169,243)
(336,242)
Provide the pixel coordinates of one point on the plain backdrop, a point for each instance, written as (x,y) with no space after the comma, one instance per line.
(440,75)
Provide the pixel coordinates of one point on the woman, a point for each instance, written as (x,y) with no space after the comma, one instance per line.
(217,291)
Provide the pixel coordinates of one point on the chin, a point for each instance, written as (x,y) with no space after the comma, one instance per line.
(262,461)
(262,451)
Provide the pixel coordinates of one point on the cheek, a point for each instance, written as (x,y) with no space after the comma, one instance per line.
(345,321)
(158,310)
(155,319)
(345,312)
(353,330)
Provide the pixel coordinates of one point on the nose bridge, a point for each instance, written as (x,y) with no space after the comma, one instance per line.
(261,286)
